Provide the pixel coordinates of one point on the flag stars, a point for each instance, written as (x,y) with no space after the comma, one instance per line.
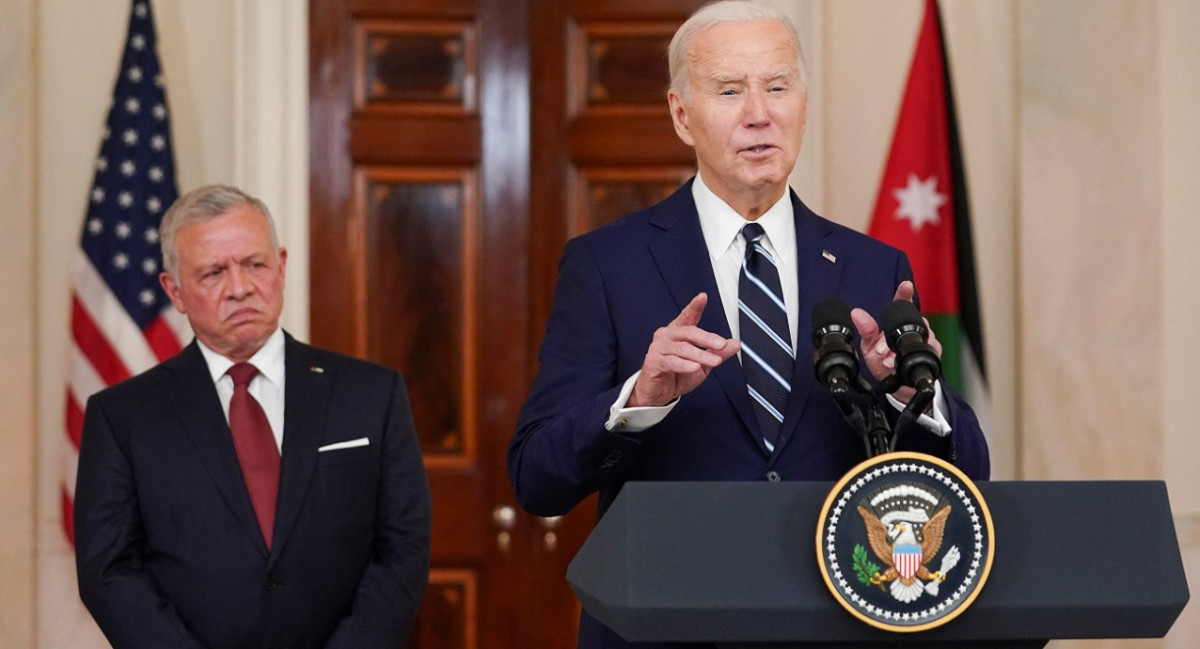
(98,195)
(138,42)
(120,261)
(146,297)
(158,80)
(134,74)
(158,143)
(122,230)
(132,106)
(155,174)
(130,137)
(95,226)
(160,112)
(128,168)
(149,266)
(101,163)
(139,10)
(153,204)
(919,202)
(151,235)
(125,199)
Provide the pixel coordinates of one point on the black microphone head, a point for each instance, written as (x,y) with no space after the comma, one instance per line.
(828,316)
(901,317)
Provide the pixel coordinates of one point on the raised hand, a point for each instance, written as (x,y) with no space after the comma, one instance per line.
(680,357)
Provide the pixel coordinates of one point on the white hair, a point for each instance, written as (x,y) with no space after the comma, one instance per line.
(719,13)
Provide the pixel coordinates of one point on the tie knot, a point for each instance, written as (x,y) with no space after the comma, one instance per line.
(752,232)
(242,373)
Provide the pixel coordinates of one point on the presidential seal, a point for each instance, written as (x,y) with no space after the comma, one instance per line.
(905,542)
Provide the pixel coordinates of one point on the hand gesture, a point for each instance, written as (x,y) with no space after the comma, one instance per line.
(880,359)
(680,357)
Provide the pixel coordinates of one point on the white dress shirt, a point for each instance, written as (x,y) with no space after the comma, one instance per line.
(266,387)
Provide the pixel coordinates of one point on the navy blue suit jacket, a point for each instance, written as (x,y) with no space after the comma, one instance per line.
(168,549)
(621,282)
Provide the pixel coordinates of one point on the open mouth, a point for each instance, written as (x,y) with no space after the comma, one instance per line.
(760,148)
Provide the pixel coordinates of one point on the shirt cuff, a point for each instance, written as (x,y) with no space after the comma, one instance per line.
(935,420)
(636,419)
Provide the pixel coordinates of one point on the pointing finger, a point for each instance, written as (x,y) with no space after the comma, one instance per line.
(690,316)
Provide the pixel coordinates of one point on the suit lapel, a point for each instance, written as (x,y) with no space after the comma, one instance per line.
(682,259)
(819,267)
(190,388)
(306,402)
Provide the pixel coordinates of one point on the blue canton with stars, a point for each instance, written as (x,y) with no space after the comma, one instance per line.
(135,178)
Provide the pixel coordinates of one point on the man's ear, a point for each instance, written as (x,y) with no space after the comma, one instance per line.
(679,117)
(172,290)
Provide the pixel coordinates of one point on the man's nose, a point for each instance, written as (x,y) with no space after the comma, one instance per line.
(239,284)
(755,109)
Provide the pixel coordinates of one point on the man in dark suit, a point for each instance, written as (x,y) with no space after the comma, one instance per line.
(288,508)
(648,307)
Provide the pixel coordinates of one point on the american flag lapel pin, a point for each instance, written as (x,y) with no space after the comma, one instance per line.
(829,256)
(316,370)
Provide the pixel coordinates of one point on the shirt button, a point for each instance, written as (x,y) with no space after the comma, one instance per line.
(773,476)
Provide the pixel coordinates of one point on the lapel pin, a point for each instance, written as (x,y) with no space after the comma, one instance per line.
(829,256)
(316,370)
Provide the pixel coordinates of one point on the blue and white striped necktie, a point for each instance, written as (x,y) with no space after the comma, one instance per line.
(767,354)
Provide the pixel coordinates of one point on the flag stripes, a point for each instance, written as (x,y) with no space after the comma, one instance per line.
(121,320)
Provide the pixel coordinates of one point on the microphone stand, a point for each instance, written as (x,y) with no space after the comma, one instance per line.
(913,409)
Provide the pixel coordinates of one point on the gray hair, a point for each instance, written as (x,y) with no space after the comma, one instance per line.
(719,13)
(198,206)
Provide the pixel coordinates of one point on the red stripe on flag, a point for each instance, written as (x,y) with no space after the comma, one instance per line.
(162,338)
(95,345)
(74,418)
(68,515)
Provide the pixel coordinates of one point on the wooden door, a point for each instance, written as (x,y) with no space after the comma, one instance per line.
(443,186)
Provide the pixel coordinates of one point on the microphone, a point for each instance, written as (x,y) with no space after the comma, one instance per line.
(917,365)
(835,362)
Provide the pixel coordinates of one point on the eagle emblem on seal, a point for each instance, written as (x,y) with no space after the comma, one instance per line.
(905,523)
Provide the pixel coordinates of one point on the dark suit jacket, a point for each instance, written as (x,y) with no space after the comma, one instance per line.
(620,283)
(168,550)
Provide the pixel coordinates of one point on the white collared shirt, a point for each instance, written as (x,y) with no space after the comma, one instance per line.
(266,387)
(722,228)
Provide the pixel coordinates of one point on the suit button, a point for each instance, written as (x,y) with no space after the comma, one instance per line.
(773,476)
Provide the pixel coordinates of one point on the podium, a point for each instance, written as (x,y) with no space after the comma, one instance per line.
(734,563)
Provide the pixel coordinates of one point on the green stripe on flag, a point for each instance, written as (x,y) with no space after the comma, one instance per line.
(946,328)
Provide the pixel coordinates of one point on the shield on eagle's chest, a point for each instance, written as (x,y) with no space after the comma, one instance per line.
(907,559)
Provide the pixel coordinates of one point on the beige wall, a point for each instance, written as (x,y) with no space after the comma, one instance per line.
(1082,148)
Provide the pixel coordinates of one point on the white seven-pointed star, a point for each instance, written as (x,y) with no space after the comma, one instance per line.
(919,201)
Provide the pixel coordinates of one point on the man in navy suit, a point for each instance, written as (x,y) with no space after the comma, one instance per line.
(637,375)
(173,547)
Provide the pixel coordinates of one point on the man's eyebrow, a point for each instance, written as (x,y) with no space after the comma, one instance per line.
(726,78)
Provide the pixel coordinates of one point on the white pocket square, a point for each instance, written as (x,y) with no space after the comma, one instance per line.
(350,443)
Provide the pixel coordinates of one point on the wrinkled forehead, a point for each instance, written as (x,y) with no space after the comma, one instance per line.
(748,50)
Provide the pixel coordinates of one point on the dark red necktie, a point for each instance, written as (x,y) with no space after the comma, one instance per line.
(256,449)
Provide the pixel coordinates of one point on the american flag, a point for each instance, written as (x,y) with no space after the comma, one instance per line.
(121,320)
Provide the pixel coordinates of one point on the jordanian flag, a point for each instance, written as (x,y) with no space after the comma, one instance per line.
(922,209)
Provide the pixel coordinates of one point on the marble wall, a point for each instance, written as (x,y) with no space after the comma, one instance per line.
(18,337)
